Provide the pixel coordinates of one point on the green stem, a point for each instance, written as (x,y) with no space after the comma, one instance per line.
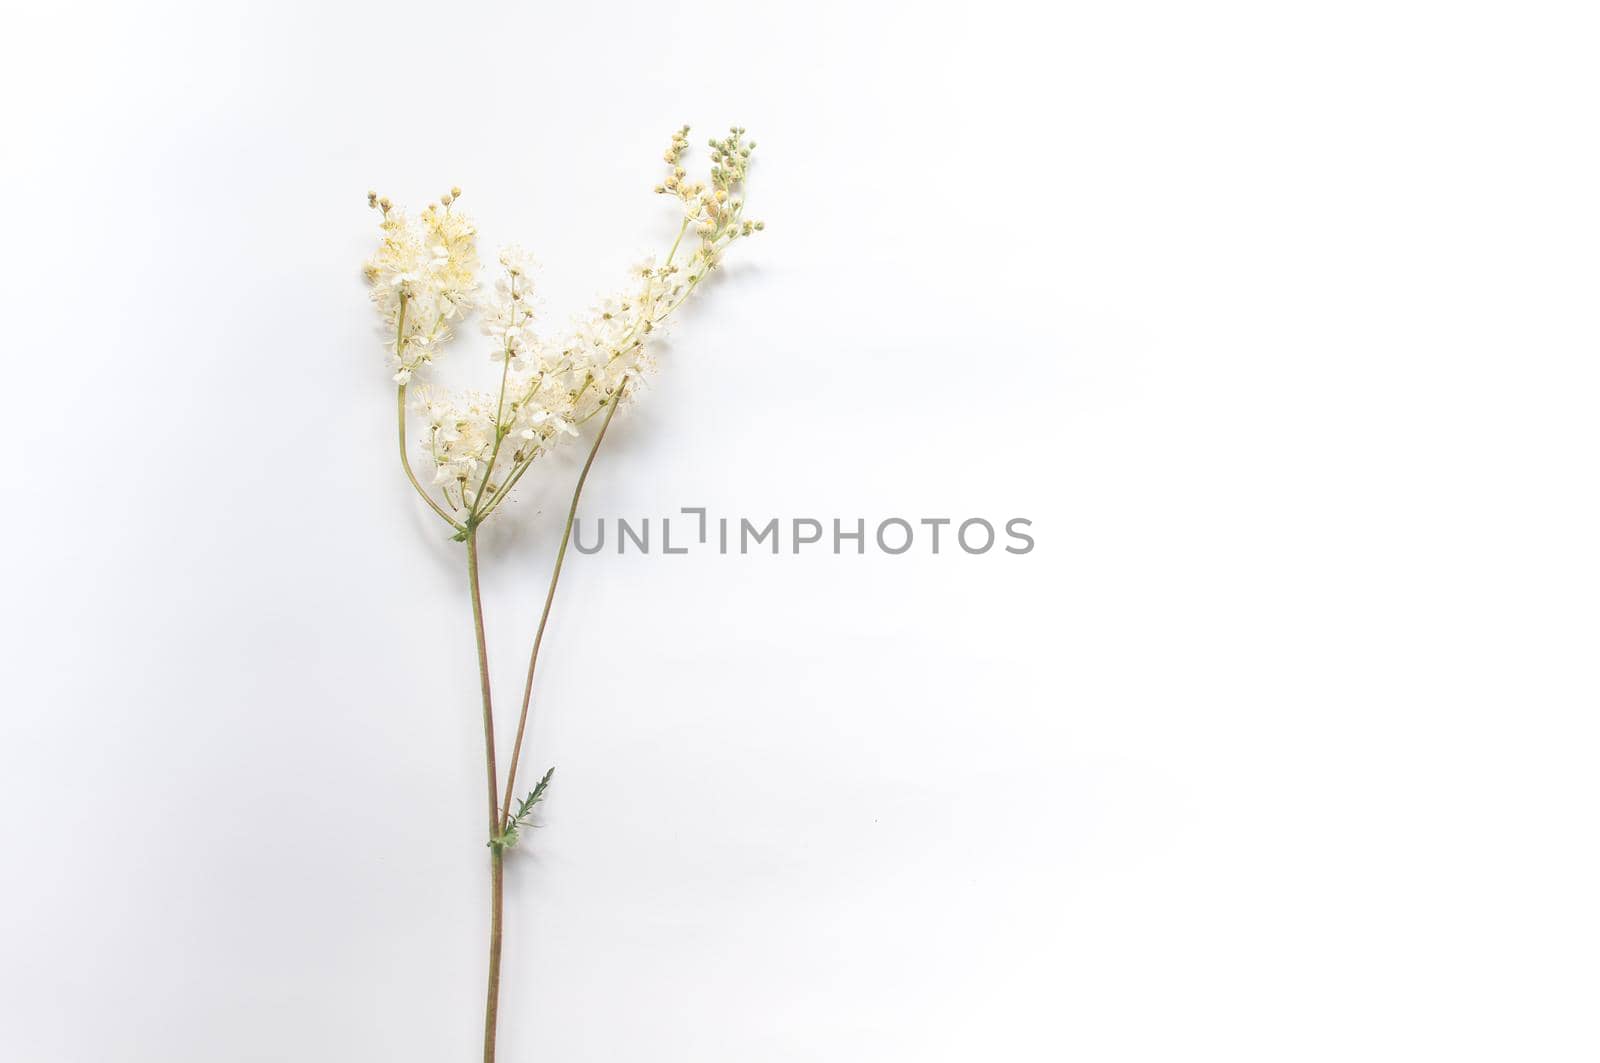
(497,894)
(499,412)
(483,675)
(550,597)
(497,868)
(405,461)
(400,415)
(683,228)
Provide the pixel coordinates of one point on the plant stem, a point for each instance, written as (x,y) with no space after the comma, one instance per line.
(550,597)
(497,897)
(405,461)
(497,868)
(483,676)
(400,412)
(499,429)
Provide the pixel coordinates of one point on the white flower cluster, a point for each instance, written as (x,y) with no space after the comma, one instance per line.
(422,278)
(479,444)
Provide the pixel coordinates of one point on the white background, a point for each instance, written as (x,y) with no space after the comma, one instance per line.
(1278,320)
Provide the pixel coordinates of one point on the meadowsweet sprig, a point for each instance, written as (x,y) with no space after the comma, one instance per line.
(474,446)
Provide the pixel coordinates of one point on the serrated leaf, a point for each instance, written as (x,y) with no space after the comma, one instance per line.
(525,807)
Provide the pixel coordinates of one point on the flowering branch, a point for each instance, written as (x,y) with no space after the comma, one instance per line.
(479,446)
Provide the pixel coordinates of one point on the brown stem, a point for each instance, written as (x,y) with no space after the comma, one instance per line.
(550,596)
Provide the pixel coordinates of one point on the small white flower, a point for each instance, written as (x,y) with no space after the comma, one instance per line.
(516,261)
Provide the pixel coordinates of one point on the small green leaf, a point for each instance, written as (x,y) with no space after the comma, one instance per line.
(537,793)
(524,810)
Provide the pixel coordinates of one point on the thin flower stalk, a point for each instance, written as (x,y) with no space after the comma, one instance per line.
(549,600)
